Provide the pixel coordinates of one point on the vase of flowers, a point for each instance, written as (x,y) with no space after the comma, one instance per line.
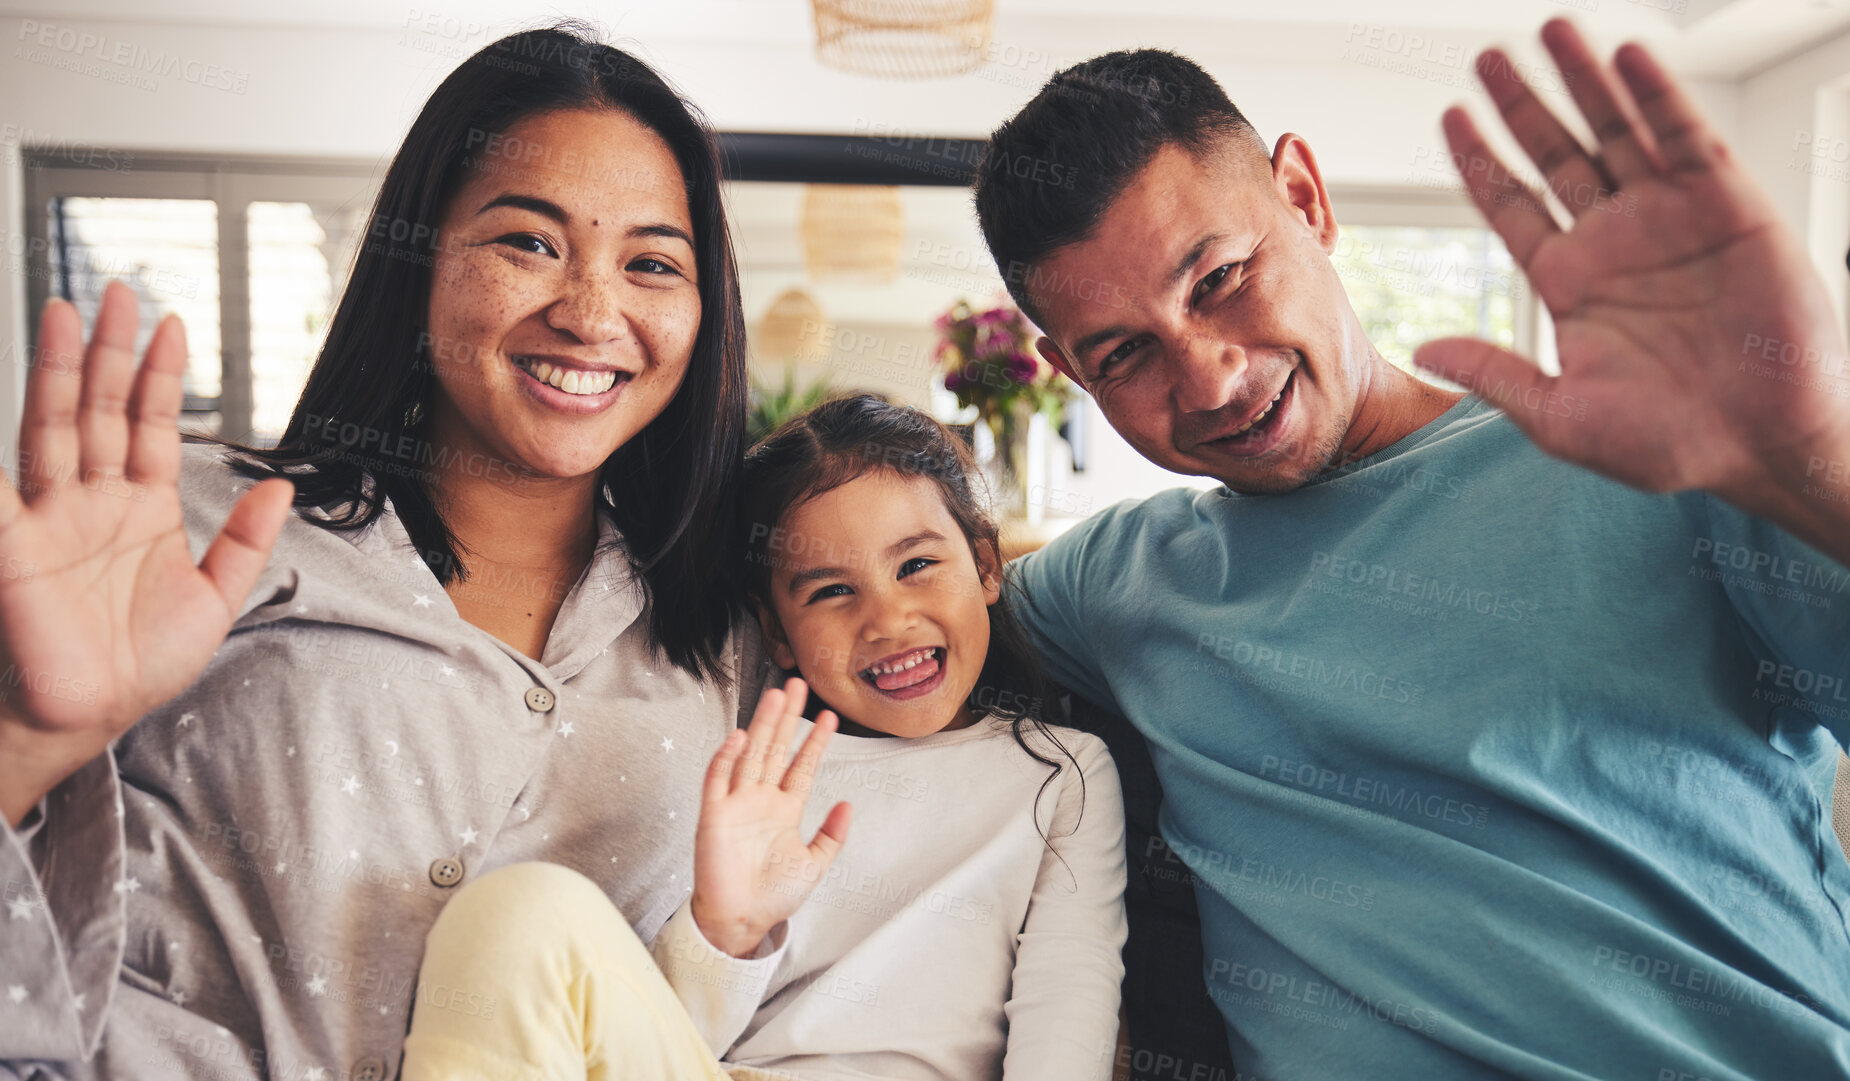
(989,362)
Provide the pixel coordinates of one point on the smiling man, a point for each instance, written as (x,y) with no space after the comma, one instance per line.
(1479,764)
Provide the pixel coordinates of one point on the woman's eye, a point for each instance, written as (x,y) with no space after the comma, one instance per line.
(529,243)
(914,565)
(653,266)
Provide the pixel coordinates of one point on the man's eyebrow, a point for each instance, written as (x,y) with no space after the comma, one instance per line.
(816,574)
(528,202)
(1097,338)
(1193,256)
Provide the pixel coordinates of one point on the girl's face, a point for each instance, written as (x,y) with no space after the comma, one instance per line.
(566,258)
(879,602)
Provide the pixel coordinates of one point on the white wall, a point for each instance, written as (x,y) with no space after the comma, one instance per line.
(1795,125)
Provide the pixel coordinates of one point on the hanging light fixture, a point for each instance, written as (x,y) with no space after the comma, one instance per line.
(853,232)
(903,39)
(793,330)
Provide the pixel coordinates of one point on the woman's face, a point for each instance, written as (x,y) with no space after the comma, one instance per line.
(564,298)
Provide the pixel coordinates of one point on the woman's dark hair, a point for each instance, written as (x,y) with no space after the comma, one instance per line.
(1050,172)
(357,436)
(850,437)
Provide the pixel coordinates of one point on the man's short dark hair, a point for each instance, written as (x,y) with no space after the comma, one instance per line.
(1050,173)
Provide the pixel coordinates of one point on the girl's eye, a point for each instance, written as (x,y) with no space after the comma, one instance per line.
(652,266)
(826,592)
(914,565)
(529,243)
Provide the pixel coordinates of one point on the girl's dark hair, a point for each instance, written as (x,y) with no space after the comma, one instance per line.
(354,437)
(846,438)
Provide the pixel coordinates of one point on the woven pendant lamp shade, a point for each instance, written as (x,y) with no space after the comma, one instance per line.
(903,39)
(852,232)
(793,330)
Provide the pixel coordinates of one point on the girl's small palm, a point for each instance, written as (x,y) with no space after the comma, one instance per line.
(103,614)
(752,868)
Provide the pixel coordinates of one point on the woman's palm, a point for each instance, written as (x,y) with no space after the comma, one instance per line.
(103,614)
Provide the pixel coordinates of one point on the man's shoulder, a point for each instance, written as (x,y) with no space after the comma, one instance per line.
(1131,521)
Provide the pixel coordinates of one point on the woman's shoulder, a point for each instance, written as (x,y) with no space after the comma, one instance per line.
(211,485)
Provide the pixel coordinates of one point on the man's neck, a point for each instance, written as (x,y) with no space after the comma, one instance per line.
(1390,406)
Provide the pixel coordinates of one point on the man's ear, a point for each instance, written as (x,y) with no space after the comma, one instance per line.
(1051,354)
(776,643)
(988,570)
(1300,184)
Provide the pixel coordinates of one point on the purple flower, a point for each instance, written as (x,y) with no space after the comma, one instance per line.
(1022,367)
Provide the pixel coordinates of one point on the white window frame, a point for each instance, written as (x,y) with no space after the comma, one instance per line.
(1440,208)
(231,182)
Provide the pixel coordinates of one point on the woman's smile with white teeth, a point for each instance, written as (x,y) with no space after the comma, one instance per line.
(570,380)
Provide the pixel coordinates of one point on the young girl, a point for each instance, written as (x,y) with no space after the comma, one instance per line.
(969,929)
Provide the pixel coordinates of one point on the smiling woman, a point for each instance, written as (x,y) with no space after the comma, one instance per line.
(263,748)
(554,203)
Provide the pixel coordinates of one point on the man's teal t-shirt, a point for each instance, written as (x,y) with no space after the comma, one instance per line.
(1483,765)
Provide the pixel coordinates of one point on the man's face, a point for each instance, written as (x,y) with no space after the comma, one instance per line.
(1204,316)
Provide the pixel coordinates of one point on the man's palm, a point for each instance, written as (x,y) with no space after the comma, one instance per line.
(1672,280)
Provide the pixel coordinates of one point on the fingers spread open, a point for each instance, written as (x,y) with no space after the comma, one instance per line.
(1570,172)
(1504,379)
(1685,141)
(109,377)
(1518,215)
(718,783)
(48,444)
(830,837)
(154,408)
(802,773)
(242,548)
(778,755)
(1625,149)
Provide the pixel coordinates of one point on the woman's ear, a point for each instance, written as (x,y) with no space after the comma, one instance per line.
(775,642)
(988,569)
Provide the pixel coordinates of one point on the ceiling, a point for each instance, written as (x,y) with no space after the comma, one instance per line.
(1710,39)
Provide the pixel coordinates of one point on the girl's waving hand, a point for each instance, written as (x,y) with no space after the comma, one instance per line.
(752,868)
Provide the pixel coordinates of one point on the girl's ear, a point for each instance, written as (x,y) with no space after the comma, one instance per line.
(775,642)
(988,569)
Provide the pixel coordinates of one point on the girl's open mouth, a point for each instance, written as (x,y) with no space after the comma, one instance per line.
(907,675)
